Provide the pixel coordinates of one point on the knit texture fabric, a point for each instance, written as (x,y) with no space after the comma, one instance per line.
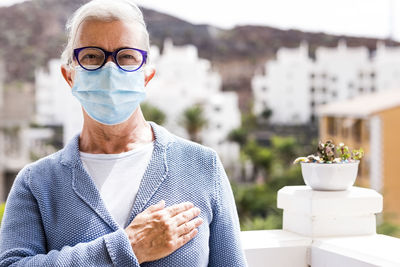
(55,216)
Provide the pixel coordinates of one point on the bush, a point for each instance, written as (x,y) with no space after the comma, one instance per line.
(388,228)
(260,223)
(152,113)
(255,200)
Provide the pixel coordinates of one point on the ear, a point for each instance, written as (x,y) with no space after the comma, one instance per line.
(149,73)
(67,74)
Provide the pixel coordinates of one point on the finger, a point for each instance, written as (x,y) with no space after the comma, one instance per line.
(186,216)
(178,208)
(189,226)
(182,240)
(159,206)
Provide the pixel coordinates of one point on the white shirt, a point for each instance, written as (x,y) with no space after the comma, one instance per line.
(117,177)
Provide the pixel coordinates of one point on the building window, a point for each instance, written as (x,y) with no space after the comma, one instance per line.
(373,89)
(361,89)
(344,130)
(331,126)
(312,76)
(360,169)
(217,108)
(312,89)
(372,75)
(356,129)
(264,88)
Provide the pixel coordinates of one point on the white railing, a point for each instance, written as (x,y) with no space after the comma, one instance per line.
(324,229)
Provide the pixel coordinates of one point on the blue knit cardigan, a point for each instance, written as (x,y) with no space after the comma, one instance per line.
(55,216)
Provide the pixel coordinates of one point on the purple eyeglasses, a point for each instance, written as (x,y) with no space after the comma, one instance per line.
(92,58)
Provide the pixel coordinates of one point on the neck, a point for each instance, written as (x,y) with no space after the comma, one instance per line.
(97,138)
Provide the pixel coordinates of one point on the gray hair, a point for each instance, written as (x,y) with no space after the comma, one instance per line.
(103,10)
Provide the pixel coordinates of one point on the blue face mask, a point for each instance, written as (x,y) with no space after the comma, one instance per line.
(109,95)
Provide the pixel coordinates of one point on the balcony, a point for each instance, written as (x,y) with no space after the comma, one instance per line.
(324,229)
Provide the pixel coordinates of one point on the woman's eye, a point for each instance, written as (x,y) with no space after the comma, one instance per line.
(89,56)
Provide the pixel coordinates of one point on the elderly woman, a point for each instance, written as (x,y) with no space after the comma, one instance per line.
(124,192)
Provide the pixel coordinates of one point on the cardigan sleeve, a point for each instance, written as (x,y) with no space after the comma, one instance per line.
(225,245)
(23,240)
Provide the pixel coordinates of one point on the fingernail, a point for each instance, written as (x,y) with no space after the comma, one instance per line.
(197,211)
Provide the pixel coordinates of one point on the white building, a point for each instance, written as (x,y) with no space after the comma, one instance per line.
(183,80)
(55,104)
(336,74)
(387,67)
(284,88)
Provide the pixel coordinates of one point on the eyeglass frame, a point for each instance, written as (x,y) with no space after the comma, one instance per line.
(107,54)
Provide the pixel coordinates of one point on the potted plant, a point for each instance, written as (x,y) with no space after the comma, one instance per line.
(333,168)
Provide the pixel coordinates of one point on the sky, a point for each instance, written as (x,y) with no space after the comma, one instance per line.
(371,18)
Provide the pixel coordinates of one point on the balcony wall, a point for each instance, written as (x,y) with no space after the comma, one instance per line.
(324,229)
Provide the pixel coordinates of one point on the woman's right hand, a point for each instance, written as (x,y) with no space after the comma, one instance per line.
(158,231)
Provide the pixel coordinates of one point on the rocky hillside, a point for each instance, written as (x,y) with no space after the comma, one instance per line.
(33,32)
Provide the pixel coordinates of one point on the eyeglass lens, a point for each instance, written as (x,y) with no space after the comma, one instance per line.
(93,58)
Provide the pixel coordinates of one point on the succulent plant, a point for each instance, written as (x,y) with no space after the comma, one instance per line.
(357,154)
(329,153)
(326,151)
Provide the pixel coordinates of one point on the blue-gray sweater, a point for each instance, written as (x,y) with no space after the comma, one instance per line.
(55,216)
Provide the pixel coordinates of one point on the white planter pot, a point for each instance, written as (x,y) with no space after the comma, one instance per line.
(330,176)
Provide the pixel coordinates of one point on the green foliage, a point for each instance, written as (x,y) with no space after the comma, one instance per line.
(357,154)
(285,148)
(388,228)
(260,223)
(344,152)
(290,176)
(260,156)
(266,114)
(193,120)
(239,136)
(249,121)
(255,200)
(152,113)
(256,203)
(2,206)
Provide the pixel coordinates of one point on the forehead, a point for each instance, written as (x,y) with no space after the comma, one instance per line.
(109,35)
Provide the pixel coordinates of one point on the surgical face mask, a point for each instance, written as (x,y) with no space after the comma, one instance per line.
(109,95)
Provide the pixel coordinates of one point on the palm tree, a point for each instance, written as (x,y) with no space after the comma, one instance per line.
(152,113)
(193,121)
